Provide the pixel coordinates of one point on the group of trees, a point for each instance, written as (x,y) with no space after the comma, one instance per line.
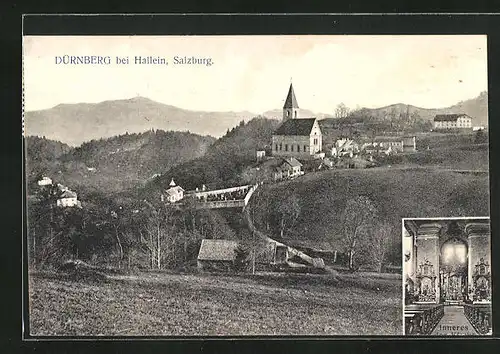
(363,238)
(369,122)
(104,232)
(158,236)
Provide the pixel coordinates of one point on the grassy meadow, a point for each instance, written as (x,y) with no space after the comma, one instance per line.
(167,304)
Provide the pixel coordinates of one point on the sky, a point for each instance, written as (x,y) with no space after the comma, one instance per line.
(253,73)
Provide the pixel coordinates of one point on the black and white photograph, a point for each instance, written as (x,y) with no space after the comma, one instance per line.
(232,186)
(447,272)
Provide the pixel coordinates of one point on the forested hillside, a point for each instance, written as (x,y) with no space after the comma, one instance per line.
(224,159)
(113,164)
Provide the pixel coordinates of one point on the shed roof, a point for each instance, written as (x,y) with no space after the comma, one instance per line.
(298,126)
(217,250)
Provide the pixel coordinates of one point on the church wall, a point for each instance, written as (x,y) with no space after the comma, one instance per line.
(316,134)
(291,140)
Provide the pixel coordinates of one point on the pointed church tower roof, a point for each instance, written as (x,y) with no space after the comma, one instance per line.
(172,183)
(291,100)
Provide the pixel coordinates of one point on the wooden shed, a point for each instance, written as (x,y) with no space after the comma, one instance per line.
(217,255)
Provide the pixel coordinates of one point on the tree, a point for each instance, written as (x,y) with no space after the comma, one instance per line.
(241,260)
(288,211)
(380,240)
(480,137)
(261,208)
(155,231)
(341,111)
(357,218)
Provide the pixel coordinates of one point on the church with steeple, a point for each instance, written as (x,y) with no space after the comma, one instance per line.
(296,136)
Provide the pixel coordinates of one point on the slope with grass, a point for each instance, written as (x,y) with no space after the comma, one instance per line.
(396,192)
(165,304)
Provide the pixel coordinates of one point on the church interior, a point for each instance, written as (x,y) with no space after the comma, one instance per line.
(447,276)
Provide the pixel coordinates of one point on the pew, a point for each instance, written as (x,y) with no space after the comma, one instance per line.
(422,318)
(479,315)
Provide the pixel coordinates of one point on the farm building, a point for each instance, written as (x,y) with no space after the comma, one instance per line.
(67,199)
(217,255)
(452,121)
(289,168)
(45,181)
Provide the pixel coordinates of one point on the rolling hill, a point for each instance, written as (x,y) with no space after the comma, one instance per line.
(74,124)
(396,193)
(476,107)
(113,164)
(225,159)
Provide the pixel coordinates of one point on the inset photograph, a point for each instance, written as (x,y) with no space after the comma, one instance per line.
(447,276)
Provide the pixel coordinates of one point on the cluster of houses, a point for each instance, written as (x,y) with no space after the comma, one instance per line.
(65,196)
(300,139)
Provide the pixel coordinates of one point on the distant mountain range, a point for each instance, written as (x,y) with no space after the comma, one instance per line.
(74,124)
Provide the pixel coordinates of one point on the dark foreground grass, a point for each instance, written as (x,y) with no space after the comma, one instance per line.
(210,305)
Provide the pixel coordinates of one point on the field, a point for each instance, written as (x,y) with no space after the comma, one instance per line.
(167,304)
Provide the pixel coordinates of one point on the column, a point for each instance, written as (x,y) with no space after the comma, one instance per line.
(428,250)
(478,235)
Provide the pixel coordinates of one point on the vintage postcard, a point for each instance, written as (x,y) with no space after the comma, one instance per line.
(447,276)
(254,185)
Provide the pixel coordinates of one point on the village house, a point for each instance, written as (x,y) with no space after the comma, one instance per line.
(217,255)
(297,137)
(289,168)
(45,181)
(452,121)
(345,146)
(68,199)
(173,194)
(377,149)
(261,154)
(394,143)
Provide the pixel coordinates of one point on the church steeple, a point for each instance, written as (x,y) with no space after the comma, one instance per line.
(291,107)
